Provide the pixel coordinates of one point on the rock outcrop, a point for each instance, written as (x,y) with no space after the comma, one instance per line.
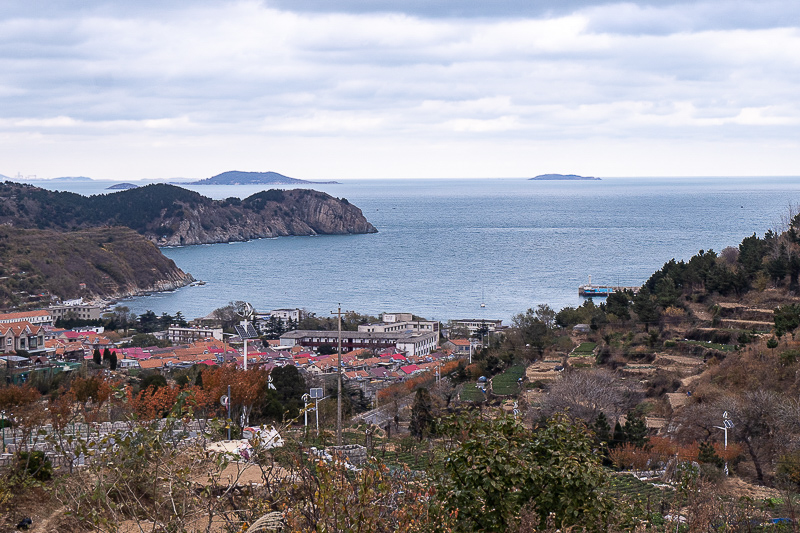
(294,212)
(171,216)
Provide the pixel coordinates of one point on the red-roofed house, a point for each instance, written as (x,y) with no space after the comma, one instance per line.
(409,369)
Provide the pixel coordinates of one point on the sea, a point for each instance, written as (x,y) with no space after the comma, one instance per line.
(472,248)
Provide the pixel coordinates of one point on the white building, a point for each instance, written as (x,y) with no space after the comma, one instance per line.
(41,317)
(76,309)
(419,326)
(187,335)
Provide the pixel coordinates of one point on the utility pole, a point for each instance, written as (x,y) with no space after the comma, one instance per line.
(339,372)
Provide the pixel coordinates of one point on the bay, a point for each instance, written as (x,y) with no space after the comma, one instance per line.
(446,246)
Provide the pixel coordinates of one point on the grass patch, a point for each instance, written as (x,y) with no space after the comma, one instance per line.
(471,393)
(585,349)
(507,382)
(629,487)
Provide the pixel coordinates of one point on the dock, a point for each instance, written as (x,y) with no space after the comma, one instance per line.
(601,291)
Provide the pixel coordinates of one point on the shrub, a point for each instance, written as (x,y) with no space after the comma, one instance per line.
(36,465)
(789,357)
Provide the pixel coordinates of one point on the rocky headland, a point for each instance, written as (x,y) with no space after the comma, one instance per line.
(169,215)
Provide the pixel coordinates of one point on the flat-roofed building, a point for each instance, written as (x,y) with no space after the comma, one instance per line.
(476,324)
(388,327)
(188,335)
(409,342)
(76,309)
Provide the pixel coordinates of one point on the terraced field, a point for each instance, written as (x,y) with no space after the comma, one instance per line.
(471,393)
(508,382)
(585,349)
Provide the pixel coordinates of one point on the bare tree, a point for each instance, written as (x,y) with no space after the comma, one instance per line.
(586,394)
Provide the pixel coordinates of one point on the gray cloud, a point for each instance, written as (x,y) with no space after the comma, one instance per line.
(189,74)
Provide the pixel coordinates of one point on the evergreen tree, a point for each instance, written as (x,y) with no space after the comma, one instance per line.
(646,308)
(96,357)
(635,430)
(180,320)
(422,423)
(106,355)
(602,429)
(617,305)
(112,361)
(709,455)
(619,436)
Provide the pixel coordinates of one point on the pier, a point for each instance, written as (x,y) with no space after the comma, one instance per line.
(601,291)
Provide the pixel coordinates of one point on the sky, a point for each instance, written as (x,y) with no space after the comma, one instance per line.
(372,89)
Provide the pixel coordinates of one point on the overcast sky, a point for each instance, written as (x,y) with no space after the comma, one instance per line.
(399,89)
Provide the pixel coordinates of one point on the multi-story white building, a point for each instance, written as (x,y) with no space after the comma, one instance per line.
(187,335)
(76,309)
(415,326)
(476,324)
(410,342)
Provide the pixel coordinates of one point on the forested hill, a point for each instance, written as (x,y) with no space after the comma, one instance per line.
(170,215)
(235,177)
(96,262)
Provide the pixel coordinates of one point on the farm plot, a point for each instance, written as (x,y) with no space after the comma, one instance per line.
(586,349)
(471,393)
(508,382)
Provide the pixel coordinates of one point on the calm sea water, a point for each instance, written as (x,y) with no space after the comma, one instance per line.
(446,246)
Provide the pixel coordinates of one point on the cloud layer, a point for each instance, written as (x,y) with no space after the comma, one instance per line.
(388,89)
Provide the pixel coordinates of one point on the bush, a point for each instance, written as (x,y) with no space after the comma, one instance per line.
(36,465)
(789,357)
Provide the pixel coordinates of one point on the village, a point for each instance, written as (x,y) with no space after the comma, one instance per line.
(377,355)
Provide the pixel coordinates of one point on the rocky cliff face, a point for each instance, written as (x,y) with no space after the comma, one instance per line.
(169,216)
(295,212)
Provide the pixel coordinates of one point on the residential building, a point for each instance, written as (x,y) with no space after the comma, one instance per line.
(21,336)
(187,335)
(76,309)
(397,317)
(41,317)
(388,327)
(409,342)
(476,324)
(287,314)
(459,347)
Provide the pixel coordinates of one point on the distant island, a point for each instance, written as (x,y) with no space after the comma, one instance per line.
(122,186)
(73,178)
(563,177)
(235,177)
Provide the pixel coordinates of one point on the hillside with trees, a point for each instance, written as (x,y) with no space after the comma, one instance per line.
(168,215)
(96,262)
(674,408)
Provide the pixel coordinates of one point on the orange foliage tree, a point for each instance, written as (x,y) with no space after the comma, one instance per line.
(425,379)
(246,387)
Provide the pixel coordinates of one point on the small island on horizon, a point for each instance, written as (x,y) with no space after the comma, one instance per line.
(566,177)
(235,177)
(122,186)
